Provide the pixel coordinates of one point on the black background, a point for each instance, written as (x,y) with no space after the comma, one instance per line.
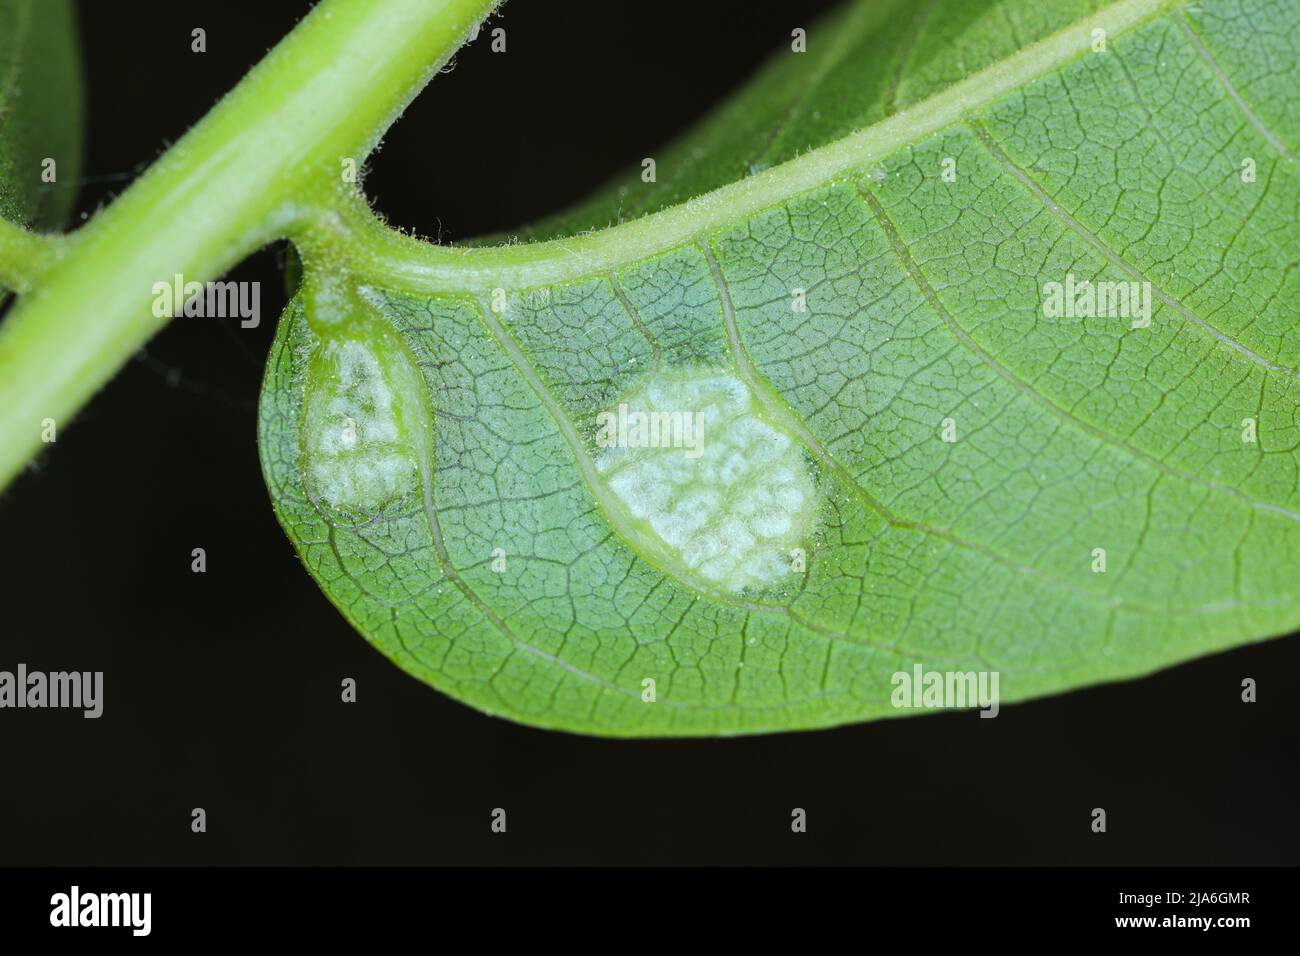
(222,689)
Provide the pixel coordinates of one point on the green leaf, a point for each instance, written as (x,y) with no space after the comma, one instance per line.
(40,112)
(910,458)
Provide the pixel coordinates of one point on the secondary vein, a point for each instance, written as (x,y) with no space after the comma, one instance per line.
(1114,258)
(962,336)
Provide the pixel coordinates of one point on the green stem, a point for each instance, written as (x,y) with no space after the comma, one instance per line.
(262,164)
(24,256)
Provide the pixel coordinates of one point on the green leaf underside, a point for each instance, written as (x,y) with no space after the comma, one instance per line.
(924,303)
(40,110)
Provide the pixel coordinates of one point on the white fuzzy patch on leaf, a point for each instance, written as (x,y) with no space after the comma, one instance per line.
(693,462)
(358,453)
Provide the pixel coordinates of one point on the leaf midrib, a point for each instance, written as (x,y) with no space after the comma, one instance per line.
(413,265)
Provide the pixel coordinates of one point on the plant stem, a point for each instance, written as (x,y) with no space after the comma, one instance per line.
(256,168)
(24,256)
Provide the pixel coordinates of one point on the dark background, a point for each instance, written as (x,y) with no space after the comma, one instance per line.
(222,689)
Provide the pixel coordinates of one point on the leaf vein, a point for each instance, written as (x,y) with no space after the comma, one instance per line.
(1028,390)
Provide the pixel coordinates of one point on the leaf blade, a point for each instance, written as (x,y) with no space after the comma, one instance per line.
(924,303)
(40,111)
